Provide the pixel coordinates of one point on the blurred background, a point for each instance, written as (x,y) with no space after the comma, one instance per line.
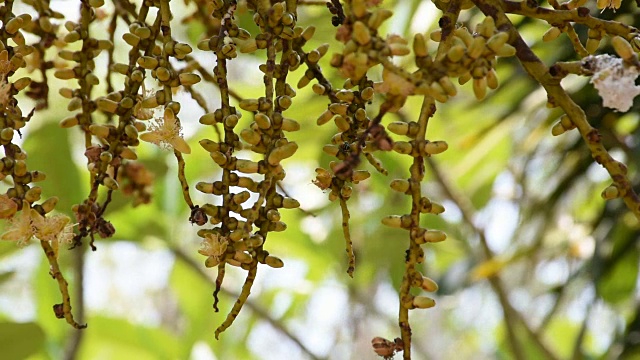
(535,260)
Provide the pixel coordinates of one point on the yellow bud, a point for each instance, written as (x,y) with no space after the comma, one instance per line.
(331,150)
(128,154)
(21,83)
(551,34)
(400,185)
(338,109)
(32,195)
(205,187)
(209,145)
(402,147)
(397,221)
(436,35)
(49,204)
(498,40)
(435,147)
(361,33)
(480,88)
(148,62)
(325,117)
(448,86)
(456,53)
(273,262)
(436,209)
(188,79)
(420,48)
(110,183)
(342,123)
(429,285)
(262,120)
(360,175)
(12,26)
(289,125)
(592,45)
(282,152)
(290,203)
(246,166)
(107,105)
(423,302)
(249,104)
(558,129)
(622,47)
(100,131)
(492,79)
(250,136)
(506,50)
(433,236)
(218,157)
(398,127)
(65,74)
(212,261)
(610,193)
(163,74)
(477,47)
(464,78)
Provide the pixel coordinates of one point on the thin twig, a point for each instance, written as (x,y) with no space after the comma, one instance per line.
(259,311)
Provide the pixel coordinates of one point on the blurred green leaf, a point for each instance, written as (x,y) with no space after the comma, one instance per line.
(20,340)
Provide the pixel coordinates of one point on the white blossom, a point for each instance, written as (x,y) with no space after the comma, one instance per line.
(615,81)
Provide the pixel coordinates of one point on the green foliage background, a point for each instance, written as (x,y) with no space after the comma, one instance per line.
(567,262)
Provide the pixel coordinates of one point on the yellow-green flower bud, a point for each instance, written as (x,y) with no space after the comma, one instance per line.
(505,51)
(100,131)
(188,79)
(480,88)
(110,183)
(400,185)
(622,47)
(21,83)
(423,302)
(433,236)
(247,166)
(402,147)
(218,157)
(289,125)
(477,47)
(32,195)
(331,150)
(436,35)
(128,154)
(282,152)
(325,117)
(107,105)
(249,104)
(290,203)
(558,129)
(367,93)
(428,284)
(361,33)
(49,204)
(551,34)
(360,175)
(456,53)
(65,74)
(397,221)
(342,123)
(273,261)
(205,187)
(250,136)
(435,147)
(420,48)
(263,121)
(610,192)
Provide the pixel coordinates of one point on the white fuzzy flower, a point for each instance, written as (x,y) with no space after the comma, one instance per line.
(614,79)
